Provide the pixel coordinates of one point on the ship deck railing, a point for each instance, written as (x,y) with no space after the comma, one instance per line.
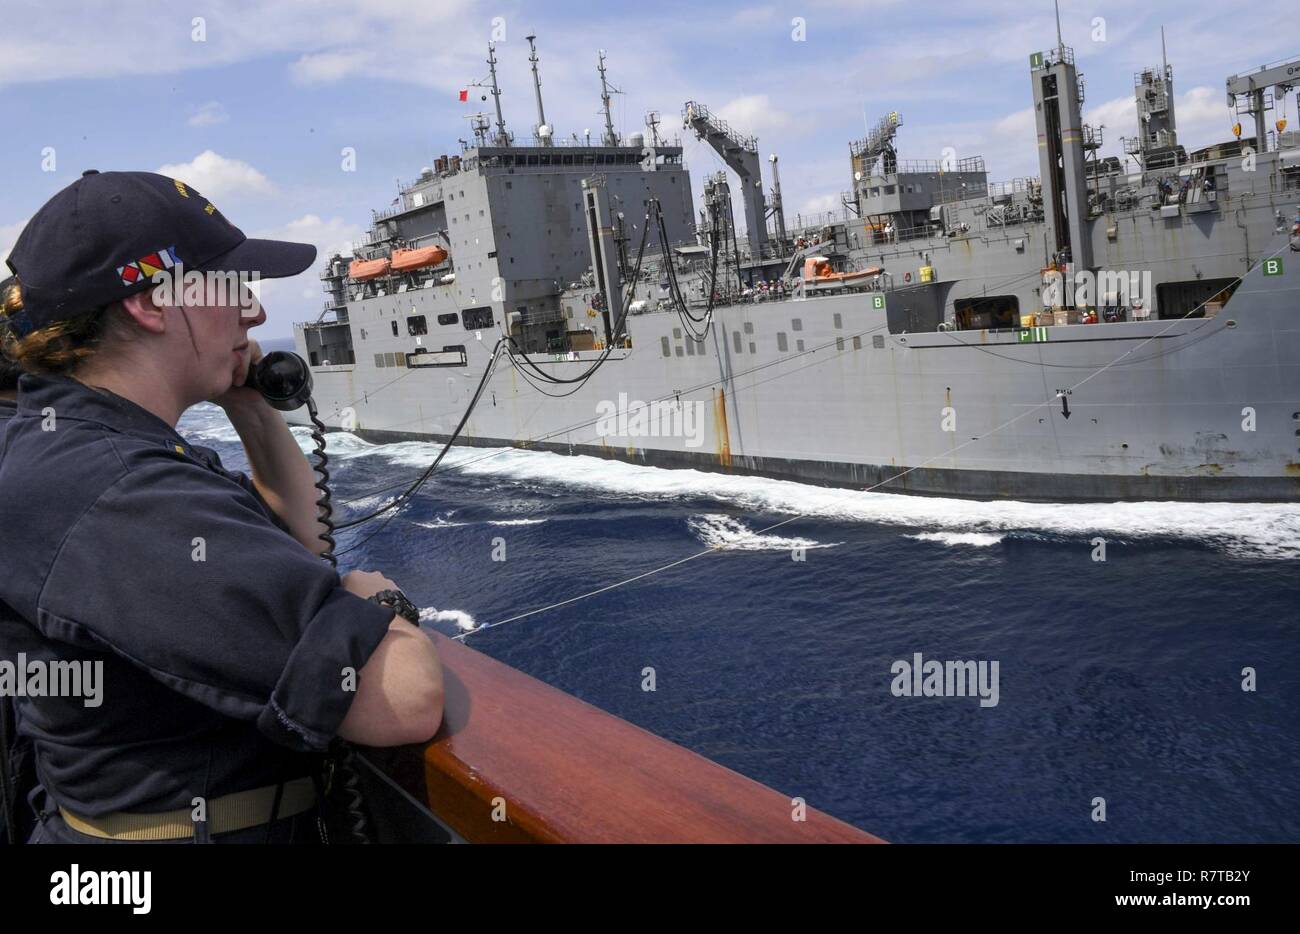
(519,761)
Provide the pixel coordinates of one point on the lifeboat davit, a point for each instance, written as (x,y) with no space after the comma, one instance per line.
(406,260)
(817,271)
(367,268)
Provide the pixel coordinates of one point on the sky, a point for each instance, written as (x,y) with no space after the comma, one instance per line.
(257,104)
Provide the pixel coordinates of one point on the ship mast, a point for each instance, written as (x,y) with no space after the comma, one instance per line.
(541,131)
(777,210)
(652,124)
(610,138)
(502,137)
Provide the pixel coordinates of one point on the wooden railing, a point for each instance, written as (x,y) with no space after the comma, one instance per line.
(517,761)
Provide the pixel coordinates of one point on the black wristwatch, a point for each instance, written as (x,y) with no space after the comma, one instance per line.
(399,602)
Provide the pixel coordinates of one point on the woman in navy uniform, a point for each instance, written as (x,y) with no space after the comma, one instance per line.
(217,657)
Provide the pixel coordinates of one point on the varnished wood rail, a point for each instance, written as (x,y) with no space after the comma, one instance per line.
(559,770)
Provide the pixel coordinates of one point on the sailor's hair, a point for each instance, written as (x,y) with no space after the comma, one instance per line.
(8,369)
(54,349)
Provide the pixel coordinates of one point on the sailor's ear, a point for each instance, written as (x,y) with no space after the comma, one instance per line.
(141,310)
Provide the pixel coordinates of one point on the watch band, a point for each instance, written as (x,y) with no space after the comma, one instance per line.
(398,601)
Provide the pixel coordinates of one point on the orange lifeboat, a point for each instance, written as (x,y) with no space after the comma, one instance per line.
(406,260)
(367,268)
(817,271)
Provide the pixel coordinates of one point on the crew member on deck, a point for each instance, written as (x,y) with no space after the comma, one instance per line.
(226,656)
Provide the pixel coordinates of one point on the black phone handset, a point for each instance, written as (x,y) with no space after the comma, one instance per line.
(284,380)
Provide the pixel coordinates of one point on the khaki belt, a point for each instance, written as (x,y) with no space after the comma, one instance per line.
(237,811)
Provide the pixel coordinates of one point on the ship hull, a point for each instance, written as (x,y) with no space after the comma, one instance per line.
(820,391)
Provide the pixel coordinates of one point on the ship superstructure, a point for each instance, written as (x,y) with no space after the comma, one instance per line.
(1105,330)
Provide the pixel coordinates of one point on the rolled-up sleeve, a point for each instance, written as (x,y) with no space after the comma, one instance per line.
(178,570)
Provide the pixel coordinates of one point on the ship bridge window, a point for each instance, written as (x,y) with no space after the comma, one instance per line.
(987,311)
(416,324)
(449,318)
(1197,298)
(394,324)
(476,319)
(782,342)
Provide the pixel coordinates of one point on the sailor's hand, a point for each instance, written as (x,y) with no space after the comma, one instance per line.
(366,584)
(240,395)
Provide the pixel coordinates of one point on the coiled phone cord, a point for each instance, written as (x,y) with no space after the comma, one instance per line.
(324,508)
(344,754)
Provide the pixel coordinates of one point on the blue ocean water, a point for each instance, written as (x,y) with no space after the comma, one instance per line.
(1118,679)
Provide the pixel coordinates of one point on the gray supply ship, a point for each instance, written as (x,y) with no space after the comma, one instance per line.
(1109,330)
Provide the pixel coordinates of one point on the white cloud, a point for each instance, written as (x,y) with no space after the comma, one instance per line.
(753,115)
(1204,118)
(209,114)
(326,67)
(1118,116)
(330,236)
(817,204)
(216,176)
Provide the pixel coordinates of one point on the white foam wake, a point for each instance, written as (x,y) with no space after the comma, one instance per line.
(1256,530)
(463,621)
(977,539)
(730,534)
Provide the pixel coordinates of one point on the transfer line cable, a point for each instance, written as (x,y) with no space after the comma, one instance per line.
(428,472)
(625,303)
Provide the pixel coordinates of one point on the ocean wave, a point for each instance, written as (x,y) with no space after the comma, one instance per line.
(462,620)
(728,533)
(1253,530)
(438,522)
(976,539)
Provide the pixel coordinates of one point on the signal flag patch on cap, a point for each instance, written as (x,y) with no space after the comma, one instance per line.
(148,266)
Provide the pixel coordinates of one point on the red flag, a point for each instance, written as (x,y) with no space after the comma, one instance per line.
(464,94)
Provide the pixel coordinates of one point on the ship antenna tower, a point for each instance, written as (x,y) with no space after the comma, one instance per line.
(610,138)
(502,137)
(542,130)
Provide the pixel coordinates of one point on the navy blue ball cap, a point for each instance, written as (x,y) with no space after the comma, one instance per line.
(107,234)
